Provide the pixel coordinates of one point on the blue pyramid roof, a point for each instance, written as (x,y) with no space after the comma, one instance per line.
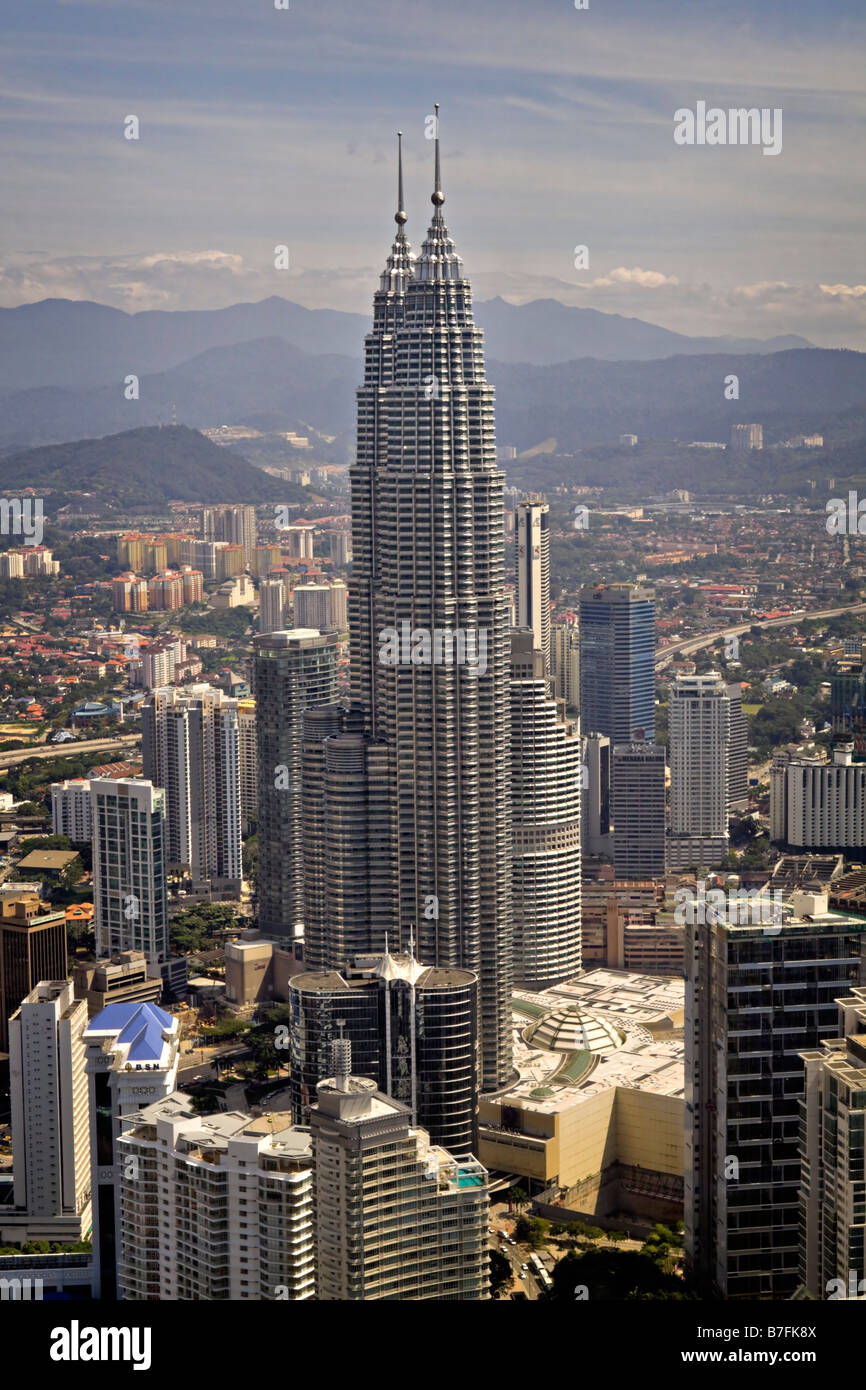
(139,1026)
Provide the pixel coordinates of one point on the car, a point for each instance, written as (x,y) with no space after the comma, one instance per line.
(524,1266)
(522,1274)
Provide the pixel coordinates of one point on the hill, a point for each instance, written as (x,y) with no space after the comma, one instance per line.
(146,465)
(82,345)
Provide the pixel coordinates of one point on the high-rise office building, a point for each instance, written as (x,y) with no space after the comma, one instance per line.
(131,1061)
(617,655)
(699,719)
(757,997)
(271,606)
(832,1158)
(347,812)
(214,1207)
(596,831)
(50,1134)
(532,563)
(130,897)
(413,1032)
(545,811)
(191,747)
(396,1216)
(428,616)
(292,671)
(234,524)
(70,811)
(639,810)
(32,948)
(565,664)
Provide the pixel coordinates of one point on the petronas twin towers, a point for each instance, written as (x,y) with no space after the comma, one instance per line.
(427,536)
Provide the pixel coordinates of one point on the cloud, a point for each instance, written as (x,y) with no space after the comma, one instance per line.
(622,275)
(843,291)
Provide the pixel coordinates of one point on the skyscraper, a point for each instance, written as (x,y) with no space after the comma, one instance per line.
(638,794)
(214,1207)
(291,672)
(347,813)
(757,998)
(546,796)
(699,717)
(832,1157)
(191,747)
(565,664)
(617,654)
(50,1135)
(396,1216)
(428,547)
(312,605)
(32,948)
(130,898)
(532,563)
(413,1032)
(131,1061)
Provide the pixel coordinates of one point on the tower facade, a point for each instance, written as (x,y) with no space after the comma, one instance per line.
(532,563)
(546,796)
(291,671)
(412,1031)
(428,617)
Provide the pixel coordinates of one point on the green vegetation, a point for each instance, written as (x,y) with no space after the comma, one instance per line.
(615,1275)
(198,928)
(531,1230)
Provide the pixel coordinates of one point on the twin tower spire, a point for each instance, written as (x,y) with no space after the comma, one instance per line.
(438,259)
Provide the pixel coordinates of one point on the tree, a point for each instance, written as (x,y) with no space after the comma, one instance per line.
(500,1273)
(531,1230)
(614,1275)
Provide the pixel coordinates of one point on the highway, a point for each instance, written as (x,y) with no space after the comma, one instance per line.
(688,645)
(65,750)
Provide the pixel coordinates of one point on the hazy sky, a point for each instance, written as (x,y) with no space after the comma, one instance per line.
(261,126)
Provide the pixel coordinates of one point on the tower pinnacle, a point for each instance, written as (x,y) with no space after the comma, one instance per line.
(438,197)
(400,214)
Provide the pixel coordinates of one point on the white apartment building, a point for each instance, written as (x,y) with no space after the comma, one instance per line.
(699,718)
(50,1123)
(312,606)
(396,1216)
(532,552)
(132,1050)
(191,748)
(129,868)
(248,758)
(271,604)
(816,804)
(832,1155)
(71,810)
(214,1207)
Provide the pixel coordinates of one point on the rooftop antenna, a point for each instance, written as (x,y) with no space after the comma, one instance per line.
(341,1056)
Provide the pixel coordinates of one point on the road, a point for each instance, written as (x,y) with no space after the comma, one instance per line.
(65,750)
(688,645)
